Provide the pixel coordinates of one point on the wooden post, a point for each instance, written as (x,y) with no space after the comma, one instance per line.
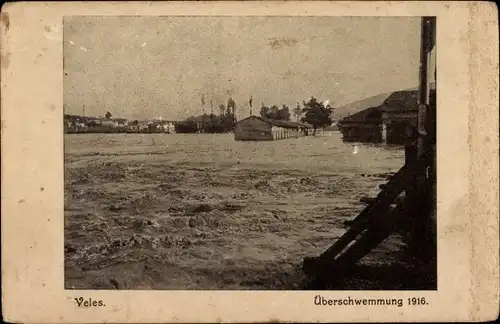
(384,132)
(420,193)
(423,94)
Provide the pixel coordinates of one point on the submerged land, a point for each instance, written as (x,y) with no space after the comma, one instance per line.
(190,211)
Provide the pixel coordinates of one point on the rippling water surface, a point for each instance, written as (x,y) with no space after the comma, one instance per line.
(327,152)
(194,211)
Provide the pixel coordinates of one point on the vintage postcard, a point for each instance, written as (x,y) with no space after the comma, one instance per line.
(249,162)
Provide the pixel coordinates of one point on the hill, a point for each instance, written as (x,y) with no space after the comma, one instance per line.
(374,101)
(354,107)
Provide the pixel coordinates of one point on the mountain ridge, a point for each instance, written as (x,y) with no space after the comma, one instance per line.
(358,105)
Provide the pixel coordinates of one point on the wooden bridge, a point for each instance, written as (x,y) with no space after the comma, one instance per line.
(406,203)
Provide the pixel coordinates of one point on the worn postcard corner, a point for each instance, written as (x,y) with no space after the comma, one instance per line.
(243,162)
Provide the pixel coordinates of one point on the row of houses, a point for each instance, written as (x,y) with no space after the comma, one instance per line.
(90,124)
(256,128)
(152,127)
(393,122)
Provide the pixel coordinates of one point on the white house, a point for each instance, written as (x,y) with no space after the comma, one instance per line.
(80,125)
(120,122)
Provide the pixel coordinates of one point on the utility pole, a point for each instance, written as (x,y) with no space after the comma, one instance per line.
(211,117)
(235,119)
(423,231)
(250,103)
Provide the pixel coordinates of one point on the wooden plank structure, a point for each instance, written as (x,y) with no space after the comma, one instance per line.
(407,202)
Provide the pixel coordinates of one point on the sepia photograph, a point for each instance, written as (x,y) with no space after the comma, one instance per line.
(259,153)
(249,162)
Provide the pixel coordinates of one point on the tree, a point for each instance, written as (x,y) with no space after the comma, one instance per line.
(264,112)
(297,112)
(274,113)
(231,105)
(316,114)
(222,110)
(332,111)
(108,115)
(284,113)
(234,112)
(152,128)
(186,126)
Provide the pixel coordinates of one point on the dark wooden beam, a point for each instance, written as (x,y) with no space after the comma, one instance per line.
(385,198)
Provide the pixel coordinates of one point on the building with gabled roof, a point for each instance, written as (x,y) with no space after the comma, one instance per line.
(393,122)
(255,128)
(363,126)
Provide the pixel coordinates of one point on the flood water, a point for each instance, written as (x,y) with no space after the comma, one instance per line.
(200,211)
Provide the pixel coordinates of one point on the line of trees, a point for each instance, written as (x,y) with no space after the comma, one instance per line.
(312,112)
(210,123)
(276,113)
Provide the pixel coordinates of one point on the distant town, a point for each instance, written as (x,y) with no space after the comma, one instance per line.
(108,124)
(385,118)
(311,114)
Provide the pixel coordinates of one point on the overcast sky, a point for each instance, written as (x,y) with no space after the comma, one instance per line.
(145,67)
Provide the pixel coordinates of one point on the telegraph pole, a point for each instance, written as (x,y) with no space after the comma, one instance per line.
(211,117)
(422,200)
(250,103)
